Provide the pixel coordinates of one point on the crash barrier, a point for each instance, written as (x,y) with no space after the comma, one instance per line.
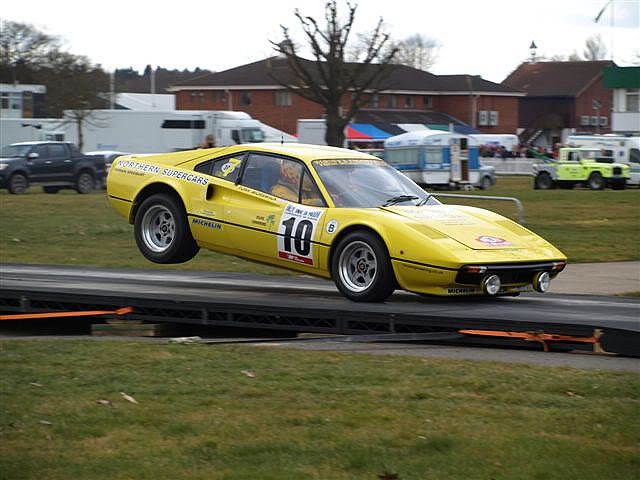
(488,197)
(509,166)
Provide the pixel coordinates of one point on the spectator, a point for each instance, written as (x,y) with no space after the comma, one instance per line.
(209,141)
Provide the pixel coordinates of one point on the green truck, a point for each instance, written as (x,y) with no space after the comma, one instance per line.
(579,166)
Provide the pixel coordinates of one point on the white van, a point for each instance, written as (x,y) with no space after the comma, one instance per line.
(619,148)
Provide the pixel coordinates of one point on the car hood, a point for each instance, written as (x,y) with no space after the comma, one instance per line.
(473,227)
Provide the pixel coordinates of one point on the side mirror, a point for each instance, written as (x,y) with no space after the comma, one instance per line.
(33,155)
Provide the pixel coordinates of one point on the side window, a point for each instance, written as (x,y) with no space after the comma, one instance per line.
(288,185)
(278,176)
(57,151)
(227,168)
(573,156)
(634,155)
(41,150)
(310,195)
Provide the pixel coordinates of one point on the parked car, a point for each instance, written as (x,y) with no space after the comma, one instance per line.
(109,156)
(580,166)
(53,165)
(329,212)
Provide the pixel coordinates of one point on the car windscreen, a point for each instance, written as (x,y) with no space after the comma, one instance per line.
(9,151)
(367,183)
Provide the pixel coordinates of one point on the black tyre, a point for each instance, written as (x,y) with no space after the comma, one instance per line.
(51,189)
(596,182)
(485,183)
(543,181)
(162,232)
(361,268)
(85,183)
(18,184)
(618,185)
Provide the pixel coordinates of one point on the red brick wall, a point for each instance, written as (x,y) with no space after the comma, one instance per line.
(263,107)
(584,105)
(460,107)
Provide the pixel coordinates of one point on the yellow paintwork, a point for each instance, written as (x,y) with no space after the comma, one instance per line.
(427,244)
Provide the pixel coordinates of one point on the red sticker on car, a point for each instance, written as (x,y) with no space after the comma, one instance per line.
(493,241)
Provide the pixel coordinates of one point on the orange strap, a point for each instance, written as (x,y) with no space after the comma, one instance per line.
(88,313)
(541,337)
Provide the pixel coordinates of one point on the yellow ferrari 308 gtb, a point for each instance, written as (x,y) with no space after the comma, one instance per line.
(329,212)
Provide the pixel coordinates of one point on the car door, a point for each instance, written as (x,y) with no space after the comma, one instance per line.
(38,165)
(269,216)
(59,163)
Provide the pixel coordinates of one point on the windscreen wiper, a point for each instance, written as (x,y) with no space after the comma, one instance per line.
(398,199)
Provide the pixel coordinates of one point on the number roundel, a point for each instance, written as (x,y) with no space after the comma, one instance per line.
(295,233)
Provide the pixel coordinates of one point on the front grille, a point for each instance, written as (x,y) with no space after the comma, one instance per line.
(509,274)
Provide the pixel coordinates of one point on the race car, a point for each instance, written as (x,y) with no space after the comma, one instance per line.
(328,212)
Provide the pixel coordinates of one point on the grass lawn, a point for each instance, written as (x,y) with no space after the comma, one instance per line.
(73,229)
(230,412)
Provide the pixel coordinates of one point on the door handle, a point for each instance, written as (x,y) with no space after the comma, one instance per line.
(48,162)
(67,161)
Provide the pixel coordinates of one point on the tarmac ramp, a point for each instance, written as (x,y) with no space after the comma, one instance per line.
(302,304)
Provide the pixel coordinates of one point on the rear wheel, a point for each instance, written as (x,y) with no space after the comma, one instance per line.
(361,268)
(161,230)
(18,183)
(596,182)
(543,181)
(84,183)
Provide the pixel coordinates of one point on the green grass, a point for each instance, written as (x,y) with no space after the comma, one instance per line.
(73,229)
(305,415)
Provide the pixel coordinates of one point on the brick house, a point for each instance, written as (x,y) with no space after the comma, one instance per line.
(409,96)
(561,98)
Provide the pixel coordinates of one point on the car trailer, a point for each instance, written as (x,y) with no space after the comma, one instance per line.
(305,305)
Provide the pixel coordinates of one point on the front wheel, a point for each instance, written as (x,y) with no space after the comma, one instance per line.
(543,181)
(161,230)
(18,184)
(361,268)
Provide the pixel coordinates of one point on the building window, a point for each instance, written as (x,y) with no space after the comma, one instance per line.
(201,97)
(584,120)
(408,101)
(427,101)
(604,121)
(374,101)
(219,97)
(632,100)
(593,121)
(245,98)
(393,101)
(488,118)
(193,97)
(283,99)
(4,101)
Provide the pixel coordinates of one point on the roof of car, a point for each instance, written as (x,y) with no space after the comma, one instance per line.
(306,151)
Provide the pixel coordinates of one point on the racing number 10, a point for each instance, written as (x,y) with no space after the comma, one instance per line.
(301,237)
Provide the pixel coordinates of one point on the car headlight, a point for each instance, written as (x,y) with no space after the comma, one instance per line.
(491,284)
(3,166)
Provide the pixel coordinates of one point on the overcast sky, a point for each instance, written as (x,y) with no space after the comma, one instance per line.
(488,38)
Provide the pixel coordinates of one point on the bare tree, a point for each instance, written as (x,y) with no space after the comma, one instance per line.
(22,47)
(417,51)
(330,80)
(595,48)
